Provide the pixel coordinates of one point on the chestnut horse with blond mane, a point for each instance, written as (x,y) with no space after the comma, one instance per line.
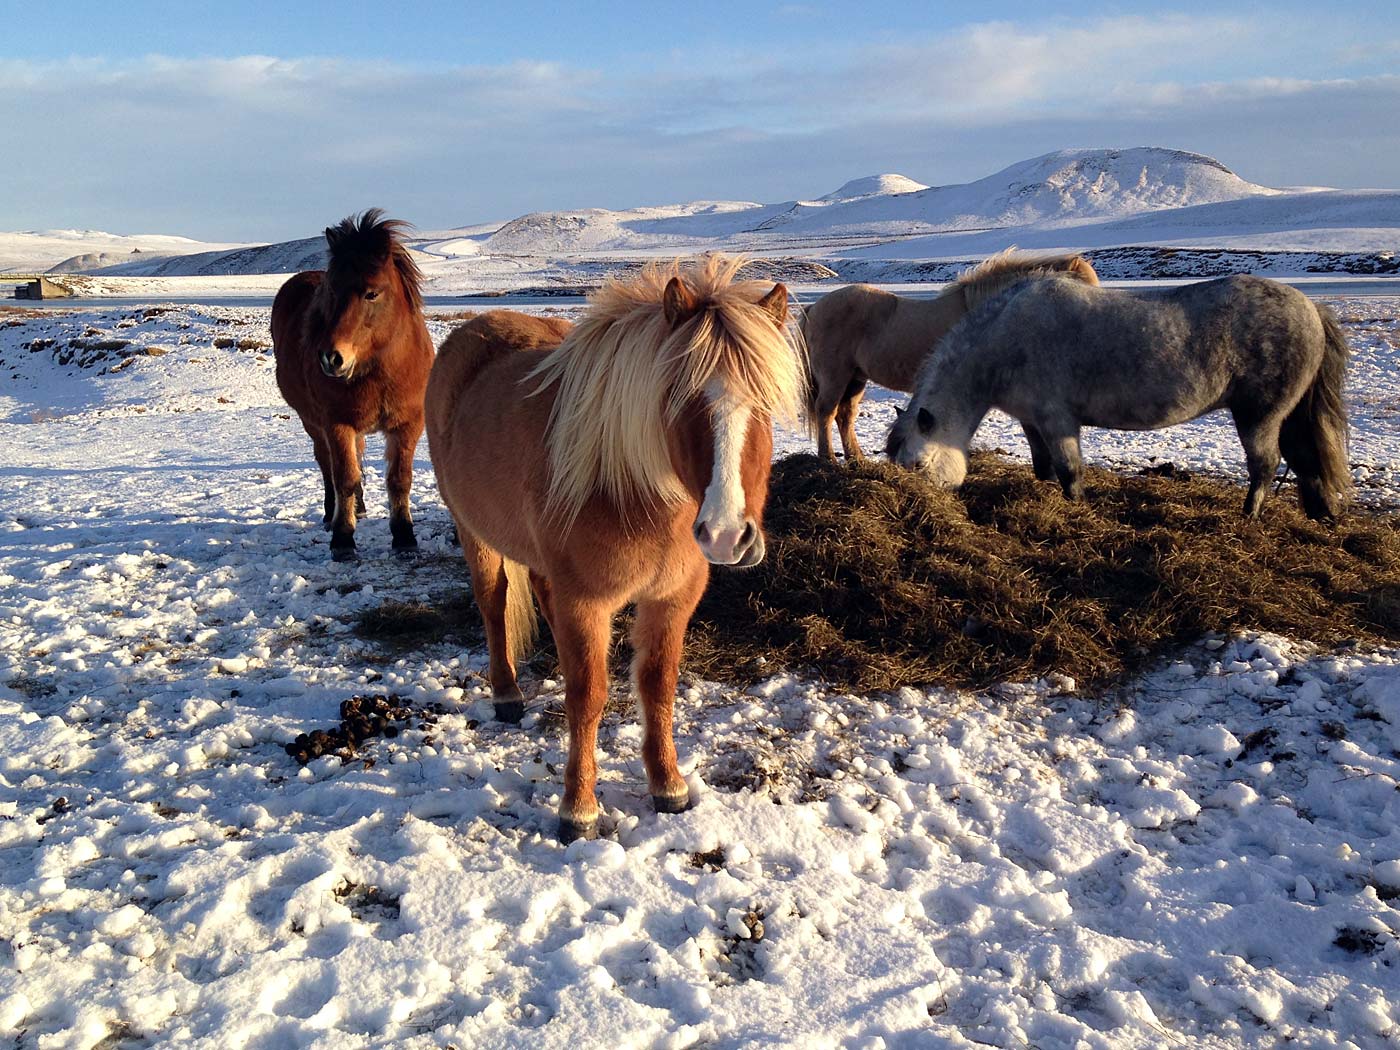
(606,464)
(861,333)
(353,355)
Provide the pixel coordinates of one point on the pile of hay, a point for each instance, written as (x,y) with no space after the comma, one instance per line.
(876,579)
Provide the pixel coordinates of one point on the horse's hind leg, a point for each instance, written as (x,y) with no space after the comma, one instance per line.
(489,588)
(544,597)
(657,636)
(1261,456)
(823,416)
(345,472)
(846,413)
(323,460)
(1041,462)
(581,632)
(398,451)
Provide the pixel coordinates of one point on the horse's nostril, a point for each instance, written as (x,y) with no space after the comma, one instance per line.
(746,537)
(702,533)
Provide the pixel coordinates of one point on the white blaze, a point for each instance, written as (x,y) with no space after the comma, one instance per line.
(722,522)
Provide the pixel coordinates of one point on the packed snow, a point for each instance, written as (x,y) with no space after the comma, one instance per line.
(1208,856)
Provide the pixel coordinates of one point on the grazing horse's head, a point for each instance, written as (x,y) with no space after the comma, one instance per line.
(666,393)
(921,441)
(371,284)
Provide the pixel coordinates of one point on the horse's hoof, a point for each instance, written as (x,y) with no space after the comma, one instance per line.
(569,831)
(406,550)
(512,711)
(402,531)
(344,554)
(671,803)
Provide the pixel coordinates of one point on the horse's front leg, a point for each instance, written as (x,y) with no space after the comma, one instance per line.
(399,446)
(657,636)
(342,443)
(581,631)
(1066,459)
(360,488)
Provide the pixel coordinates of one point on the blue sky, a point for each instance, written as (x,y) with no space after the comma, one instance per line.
(262,121)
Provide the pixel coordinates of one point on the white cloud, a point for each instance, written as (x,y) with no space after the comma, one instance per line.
(259,146)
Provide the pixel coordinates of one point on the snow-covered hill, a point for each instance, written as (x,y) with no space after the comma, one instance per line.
(33,251)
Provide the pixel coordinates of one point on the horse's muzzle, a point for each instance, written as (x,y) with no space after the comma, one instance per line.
(333,364)
(738,549)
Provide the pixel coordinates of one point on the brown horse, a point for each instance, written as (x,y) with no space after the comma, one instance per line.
(861,333)
(353,356)
(611,469)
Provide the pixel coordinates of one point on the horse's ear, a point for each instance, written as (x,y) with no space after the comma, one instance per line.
(677,303)
(332,235)
(926,420)
(776,304)
(899,411)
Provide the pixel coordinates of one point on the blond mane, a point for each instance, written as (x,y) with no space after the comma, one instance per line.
(995,273)
(623,376)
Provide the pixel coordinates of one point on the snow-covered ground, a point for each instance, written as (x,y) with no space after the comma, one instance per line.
(1206,857)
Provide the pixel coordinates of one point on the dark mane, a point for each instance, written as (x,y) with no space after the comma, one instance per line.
(360,244)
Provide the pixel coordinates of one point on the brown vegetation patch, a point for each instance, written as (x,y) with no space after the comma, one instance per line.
(411,625)
(875,578)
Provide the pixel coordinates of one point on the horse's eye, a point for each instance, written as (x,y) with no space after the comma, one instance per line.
(925,420)
(371,296)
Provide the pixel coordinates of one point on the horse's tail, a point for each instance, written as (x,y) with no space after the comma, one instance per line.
(802,340)
(1314,437)
(522,626)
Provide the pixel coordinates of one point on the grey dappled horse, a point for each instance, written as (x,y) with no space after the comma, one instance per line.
(1058,354)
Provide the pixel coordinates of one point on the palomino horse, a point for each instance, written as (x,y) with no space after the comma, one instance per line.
(613,468)
(860,333)
(1059,354)
(353,356)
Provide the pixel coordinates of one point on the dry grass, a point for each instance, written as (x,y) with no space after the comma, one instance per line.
(875,579)
(450,315)
(410,625)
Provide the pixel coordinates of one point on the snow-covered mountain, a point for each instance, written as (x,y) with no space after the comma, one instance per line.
(1146,197)
(1061,187)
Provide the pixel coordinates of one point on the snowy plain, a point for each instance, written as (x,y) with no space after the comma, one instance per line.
(1208,856)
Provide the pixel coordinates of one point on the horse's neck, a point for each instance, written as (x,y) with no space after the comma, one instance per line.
(955,389)
(399,336)
(917,327)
